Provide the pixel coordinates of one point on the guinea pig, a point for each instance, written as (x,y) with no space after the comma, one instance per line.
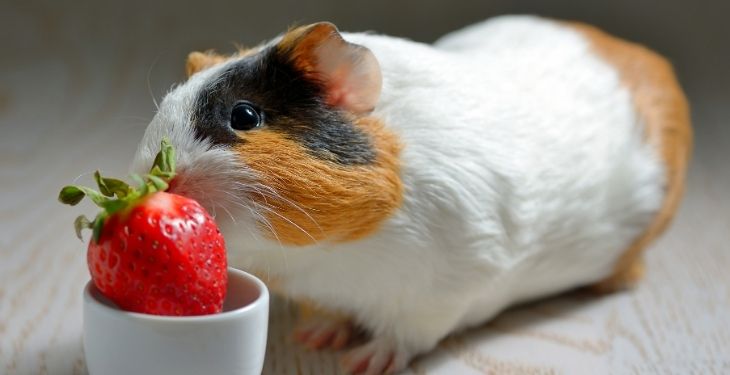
(413,190)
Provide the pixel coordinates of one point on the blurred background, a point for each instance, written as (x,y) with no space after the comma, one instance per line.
(61,45)
(78,83)
(66,54)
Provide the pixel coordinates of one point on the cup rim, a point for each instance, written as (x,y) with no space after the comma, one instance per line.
(262,299)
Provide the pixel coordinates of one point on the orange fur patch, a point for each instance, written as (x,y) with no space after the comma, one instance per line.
(320,199)
(662,106)
(301,43)
(293,43)
(198,61)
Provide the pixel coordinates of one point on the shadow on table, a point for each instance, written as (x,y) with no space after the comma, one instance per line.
(577,320)
(552,320)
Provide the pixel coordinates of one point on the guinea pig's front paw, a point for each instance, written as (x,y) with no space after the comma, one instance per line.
(378,356)
(322,332)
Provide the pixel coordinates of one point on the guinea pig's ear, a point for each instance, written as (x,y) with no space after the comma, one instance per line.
(198,61)
(349,72)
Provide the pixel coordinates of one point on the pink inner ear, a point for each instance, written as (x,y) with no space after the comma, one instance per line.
(352,75)
(336,93)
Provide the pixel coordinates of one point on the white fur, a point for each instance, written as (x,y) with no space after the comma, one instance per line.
(525,175)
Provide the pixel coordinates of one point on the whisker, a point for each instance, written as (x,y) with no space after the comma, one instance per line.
(258,217)
(229,214)
(275,195)
(239,202)
(81,175)
(212,206)
(149,85)
(271,210)
(282,249)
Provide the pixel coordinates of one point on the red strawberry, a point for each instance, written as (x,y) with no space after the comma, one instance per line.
(153,252)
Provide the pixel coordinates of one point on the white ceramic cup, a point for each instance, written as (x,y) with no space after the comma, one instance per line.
(118,342)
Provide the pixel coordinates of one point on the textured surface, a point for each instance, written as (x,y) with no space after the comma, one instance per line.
(66,108)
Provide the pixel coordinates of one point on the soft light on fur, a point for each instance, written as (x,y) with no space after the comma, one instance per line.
(512,163)
(664,111)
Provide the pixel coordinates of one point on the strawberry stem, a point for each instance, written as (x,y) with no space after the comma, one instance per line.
(115,195)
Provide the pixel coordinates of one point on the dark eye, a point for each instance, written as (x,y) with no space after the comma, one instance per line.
(245,116)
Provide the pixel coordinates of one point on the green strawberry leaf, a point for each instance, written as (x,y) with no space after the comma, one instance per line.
(113,206)
(112,186)
(102,185)
(157,182)
(73,194)
(80,224)
(115,195)
(142,188)
(120,188)
(164,165)
(157,172)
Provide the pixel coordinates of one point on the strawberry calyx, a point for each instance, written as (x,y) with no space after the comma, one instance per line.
(116,195)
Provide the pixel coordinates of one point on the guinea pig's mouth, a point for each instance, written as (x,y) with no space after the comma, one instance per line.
(224,191)
(215,177)
(183,184)
(176,187)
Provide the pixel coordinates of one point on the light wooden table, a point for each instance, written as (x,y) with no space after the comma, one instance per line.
(66,109)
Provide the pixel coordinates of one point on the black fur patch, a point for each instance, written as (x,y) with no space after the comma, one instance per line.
(291,103)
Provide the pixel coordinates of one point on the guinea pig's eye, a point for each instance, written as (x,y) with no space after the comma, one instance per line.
(245,116)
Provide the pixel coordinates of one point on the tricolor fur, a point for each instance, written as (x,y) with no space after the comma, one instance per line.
(510,160)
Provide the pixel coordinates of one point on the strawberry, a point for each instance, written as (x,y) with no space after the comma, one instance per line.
(153,252)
